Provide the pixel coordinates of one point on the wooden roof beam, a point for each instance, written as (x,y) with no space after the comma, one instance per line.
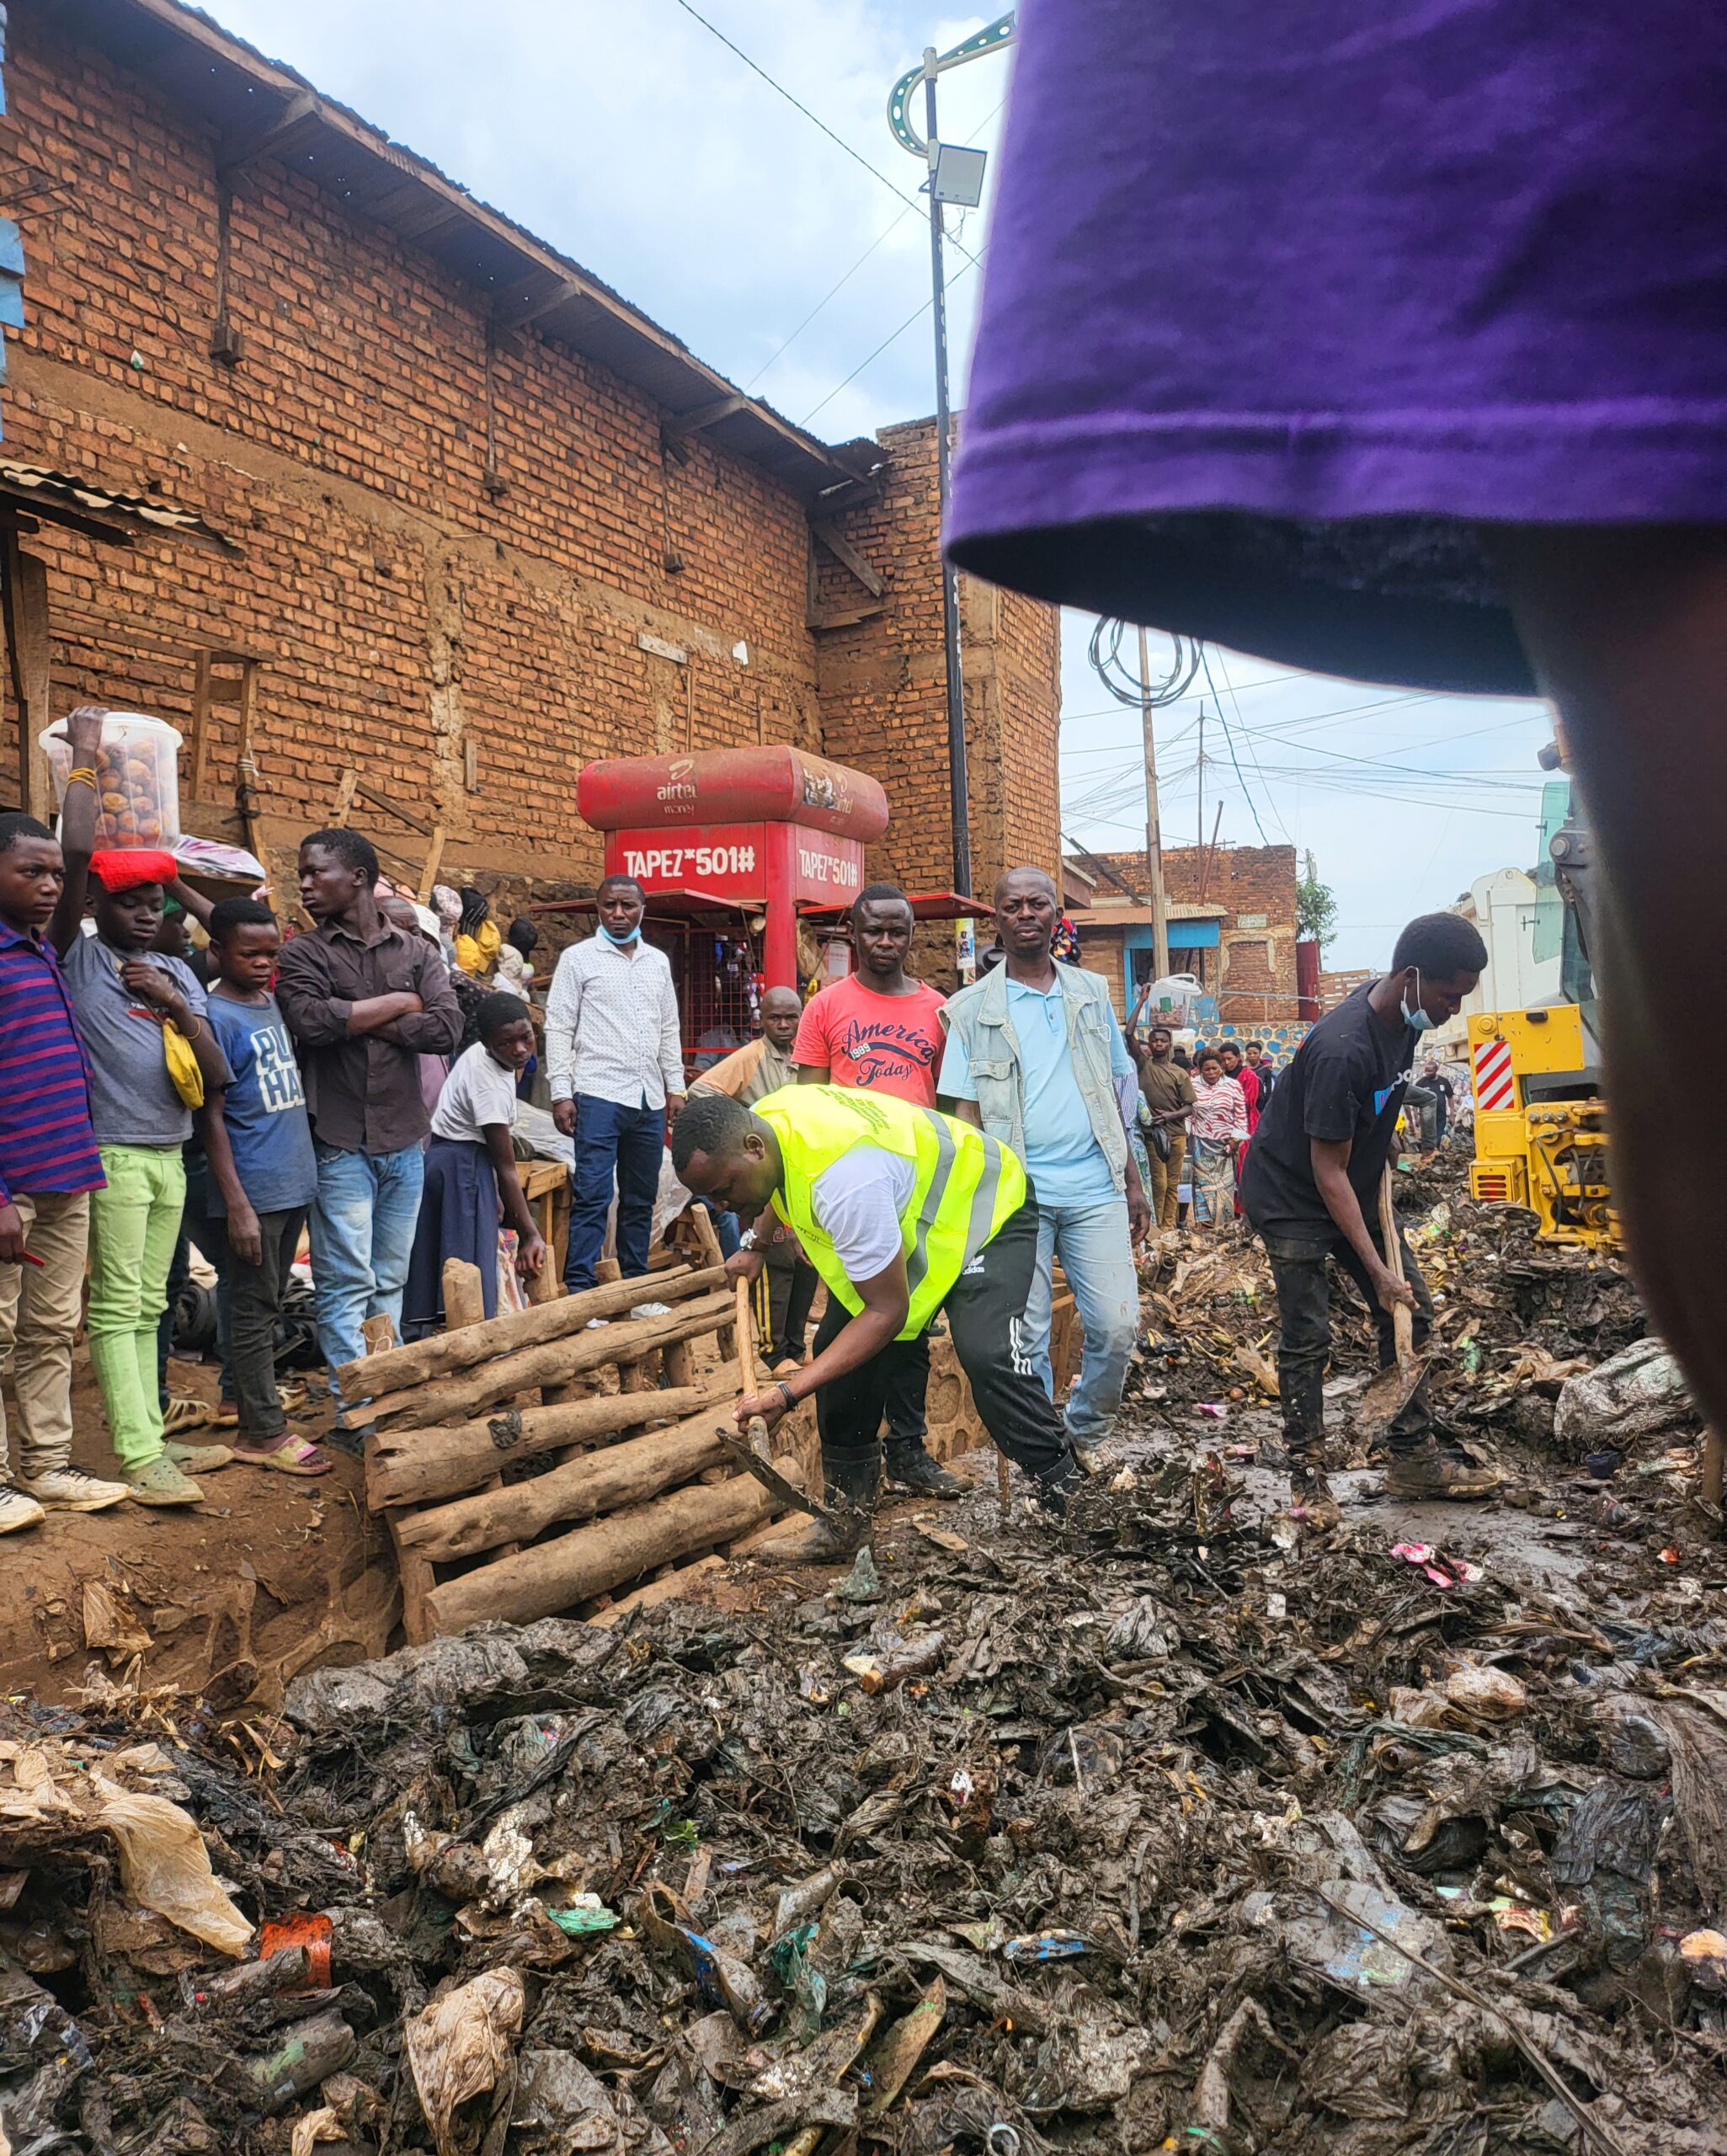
(849,557)
(706,415)
(268,140)
(529,306)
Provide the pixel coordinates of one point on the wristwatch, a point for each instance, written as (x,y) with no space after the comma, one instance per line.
(746,1239)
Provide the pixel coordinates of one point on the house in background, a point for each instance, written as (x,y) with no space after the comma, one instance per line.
(1522,919)
(1231,924)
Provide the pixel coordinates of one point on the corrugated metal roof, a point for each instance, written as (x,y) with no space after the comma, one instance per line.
(259,107)
(62,498)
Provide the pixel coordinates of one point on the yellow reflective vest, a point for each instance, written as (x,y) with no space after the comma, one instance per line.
(966,1187)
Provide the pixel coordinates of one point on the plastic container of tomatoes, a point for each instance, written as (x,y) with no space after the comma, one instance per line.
(137,778)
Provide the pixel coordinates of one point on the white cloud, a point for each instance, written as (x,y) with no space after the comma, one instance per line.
(631,139)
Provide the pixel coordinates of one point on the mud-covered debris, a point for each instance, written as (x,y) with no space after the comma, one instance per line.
(1182,1830)
(1635,1394)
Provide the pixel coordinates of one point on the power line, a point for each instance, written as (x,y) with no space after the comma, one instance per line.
(833,290)
(838,140)
(1271,799)
(891,337)
(1230,742)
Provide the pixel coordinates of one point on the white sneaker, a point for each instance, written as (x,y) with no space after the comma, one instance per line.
(17,1510)
(70,1490)
(651,1310)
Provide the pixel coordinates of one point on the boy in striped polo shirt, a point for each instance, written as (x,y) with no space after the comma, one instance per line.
(48,1168)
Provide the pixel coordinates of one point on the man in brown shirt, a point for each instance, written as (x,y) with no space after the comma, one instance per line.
(1169,1094)
(364,1000)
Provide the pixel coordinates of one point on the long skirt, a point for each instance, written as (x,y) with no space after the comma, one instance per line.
(458,1217)
(1213,1181)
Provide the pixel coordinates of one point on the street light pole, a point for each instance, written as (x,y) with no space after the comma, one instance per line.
(958,781)
(957,176)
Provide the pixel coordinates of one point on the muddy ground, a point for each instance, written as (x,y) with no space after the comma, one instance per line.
(233,1596)
(1168,1828)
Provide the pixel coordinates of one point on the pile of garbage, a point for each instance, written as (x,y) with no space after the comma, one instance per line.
(1157,1830)
(1536,1345)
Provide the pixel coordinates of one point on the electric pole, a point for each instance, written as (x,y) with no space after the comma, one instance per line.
(1154,835)
(1199,812)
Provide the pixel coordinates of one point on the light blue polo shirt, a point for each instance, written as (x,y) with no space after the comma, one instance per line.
(1065,1162)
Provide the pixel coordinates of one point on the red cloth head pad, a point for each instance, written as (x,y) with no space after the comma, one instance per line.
(121,868)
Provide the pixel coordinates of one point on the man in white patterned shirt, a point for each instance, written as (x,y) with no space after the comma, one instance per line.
(615,1066)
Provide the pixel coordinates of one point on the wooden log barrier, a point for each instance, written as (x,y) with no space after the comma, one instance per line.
(626,1473)
(554,1576)
(464,1299)
(397,1369)
(456,1398)
(408,1467)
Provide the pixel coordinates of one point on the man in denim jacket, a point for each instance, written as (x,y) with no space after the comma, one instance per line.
(1035,1056)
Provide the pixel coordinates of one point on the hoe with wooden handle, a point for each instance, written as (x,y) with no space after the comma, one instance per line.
(1392,1390)
(753,1451)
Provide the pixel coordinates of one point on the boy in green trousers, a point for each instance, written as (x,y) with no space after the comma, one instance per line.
(126,996)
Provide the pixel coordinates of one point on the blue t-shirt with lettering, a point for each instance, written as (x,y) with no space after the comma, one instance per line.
(265,1109)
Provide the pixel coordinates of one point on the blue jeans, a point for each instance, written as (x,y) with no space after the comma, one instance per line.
(363,1221)
(613,1145)
(1097,1256)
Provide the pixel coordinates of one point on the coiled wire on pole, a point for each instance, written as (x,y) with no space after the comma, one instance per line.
(1123,682)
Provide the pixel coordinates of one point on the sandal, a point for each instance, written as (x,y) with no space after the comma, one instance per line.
(182,1413)
(291,1455)
(226,1415)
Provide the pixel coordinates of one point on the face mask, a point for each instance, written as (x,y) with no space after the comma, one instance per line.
(619,940)
(1418,1018)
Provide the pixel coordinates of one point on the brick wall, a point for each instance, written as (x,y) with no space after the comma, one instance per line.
(882,688)
(466,646)
(1252,972)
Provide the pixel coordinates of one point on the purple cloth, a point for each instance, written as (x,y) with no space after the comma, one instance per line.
(1258,274)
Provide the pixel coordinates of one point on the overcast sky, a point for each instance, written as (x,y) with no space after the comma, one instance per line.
(623,132)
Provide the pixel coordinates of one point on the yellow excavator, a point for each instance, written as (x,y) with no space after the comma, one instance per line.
(1541,1117)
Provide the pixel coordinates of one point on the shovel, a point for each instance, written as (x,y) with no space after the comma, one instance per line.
(1391,1391)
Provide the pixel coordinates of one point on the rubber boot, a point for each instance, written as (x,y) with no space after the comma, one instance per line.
(910,1467)
(1059,1484)
(1433,1471)
(850,1487)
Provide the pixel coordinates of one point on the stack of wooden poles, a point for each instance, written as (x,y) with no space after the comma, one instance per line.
(619,1483)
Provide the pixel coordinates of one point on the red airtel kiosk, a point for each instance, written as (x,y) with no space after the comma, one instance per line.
(733,848)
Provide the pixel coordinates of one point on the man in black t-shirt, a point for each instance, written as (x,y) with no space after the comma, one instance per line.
(1312,1190)
(1440,1087)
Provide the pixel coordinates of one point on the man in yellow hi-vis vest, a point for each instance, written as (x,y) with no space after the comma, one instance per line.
(903,1211)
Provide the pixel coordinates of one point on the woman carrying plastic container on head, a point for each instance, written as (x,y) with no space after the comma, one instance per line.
(141,1016)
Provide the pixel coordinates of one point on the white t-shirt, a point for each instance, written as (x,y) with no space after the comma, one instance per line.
(478,1091)
(858,1201)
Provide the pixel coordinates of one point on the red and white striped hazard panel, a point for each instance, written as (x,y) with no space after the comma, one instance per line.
(1494,1088)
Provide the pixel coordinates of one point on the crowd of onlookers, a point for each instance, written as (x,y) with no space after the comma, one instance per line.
(356,1083)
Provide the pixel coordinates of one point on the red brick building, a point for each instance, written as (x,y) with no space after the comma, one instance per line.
(485,520)
(1231,923)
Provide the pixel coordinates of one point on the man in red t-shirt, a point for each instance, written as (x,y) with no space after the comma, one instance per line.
(879,1032)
